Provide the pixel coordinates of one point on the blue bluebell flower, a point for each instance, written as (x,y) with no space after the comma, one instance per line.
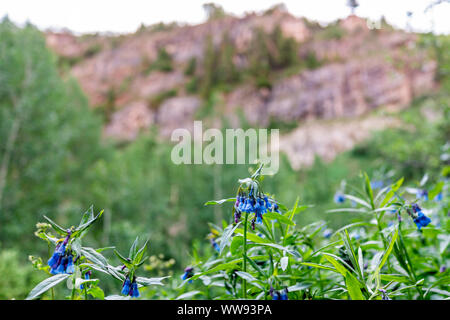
(87,276)
(376,184)
(126,287)
(55,259)
(69,267)
(241,203)
(276,295)
(384,295)
(187,274)
(339,197)
(422,194)
(275,208)
(248,206)
(259,210)
(62,266)
(327,233)
(284,295)
(134,291)
(420,219)
(267,203)
(438,197)
(215,245)
(237,216)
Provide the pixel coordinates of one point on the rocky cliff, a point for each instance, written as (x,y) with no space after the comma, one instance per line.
(357,70)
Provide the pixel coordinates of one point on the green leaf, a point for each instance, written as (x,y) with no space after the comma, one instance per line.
(396,278)
(236,244)
(46,285)
(117,297)
(299,286)
(93,256)
(188,295)
(133,249)
(123,259)
(353,287)
(150,281)
(76,247)
(252,237)
(96,293)
(284,261)
(277,246)
(279,217)
(376,274)
(225,238)
(388,251)
(319,266)
(391,193)
(57,228)
(360,210)
(358,200)
(291,216)
(249,278)
(255,266)
(222,266)
(435,191)
(214,202)
(351,252)
(339,267)
(82,228)
(368,189)
(88,215)
(140,254)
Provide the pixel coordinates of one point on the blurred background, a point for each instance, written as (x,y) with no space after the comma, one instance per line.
(90,93)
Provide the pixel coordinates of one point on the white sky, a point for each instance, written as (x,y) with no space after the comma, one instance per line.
(83,16)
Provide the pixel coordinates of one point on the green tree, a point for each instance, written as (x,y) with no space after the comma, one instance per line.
(47,133)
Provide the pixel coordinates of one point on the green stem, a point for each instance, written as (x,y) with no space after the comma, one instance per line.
(410,265)
(244,254)
(73,287)
(385,244)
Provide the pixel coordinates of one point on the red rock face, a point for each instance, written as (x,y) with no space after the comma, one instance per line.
(361,70)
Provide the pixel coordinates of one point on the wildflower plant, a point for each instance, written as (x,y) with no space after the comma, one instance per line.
(263,254)
(74,263)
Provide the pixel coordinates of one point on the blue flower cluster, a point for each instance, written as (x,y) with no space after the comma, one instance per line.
(62,260)
(214,244)
(422,194)
(376,184)
(130,288)
(327,233)
(438,197)
(419,218)
(254,204)
(277,295)
(87,276)
(384,295)
(339,197)
(188,273)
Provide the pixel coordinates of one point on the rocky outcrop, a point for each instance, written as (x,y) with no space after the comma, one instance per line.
(127,123)
(333,91)
(359,70)
(177,112)
(327,139)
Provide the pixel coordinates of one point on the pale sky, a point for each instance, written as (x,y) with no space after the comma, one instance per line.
(85,16)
